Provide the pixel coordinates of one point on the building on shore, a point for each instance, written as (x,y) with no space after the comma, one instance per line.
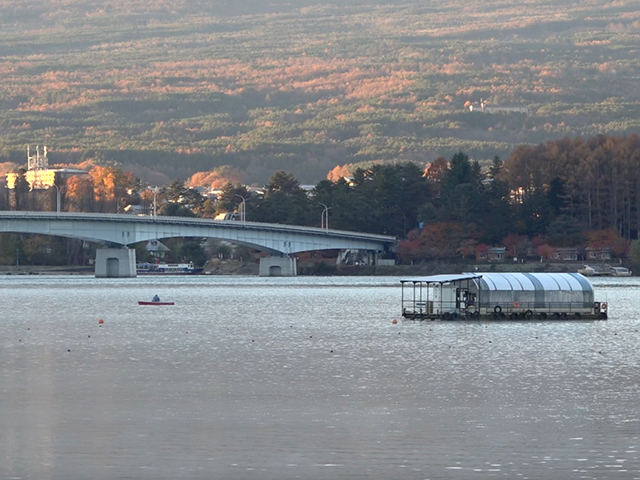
(39,175)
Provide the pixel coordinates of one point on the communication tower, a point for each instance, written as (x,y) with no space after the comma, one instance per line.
(39,161)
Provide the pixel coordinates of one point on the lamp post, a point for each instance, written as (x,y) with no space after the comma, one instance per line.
(324,218)
(58,199)
(155,203)
(243,211)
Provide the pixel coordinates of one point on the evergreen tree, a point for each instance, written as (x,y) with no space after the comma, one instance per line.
(346,209)
(565,231)
(284,202)
(392,196)
(231,197)
(497,221)
(21,191)
(463,198)
(557,196)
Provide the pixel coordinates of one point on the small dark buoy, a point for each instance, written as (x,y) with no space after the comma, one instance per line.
(331,351)
(253,340)
(310,336)
(69,350)
(489,341)
(89,336)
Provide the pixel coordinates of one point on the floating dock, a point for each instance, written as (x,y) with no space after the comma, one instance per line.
(501,296)
(604,271)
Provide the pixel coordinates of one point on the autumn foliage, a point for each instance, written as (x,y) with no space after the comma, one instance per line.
(171,88)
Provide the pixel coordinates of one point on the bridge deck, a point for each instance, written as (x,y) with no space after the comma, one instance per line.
(124,229)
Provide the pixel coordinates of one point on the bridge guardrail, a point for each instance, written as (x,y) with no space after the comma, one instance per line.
(235,224)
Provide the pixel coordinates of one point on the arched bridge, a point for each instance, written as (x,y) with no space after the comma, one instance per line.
(126,230)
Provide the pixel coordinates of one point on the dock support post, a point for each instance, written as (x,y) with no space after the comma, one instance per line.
(115,263)
(278,267)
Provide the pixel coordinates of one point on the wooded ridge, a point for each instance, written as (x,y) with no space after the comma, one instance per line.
(171,88)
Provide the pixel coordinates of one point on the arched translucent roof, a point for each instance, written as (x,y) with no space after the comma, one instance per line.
(534,282)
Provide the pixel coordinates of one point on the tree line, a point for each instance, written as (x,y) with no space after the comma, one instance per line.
(564,193)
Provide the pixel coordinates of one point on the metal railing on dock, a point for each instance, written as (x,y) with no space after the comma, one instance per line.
(450,310)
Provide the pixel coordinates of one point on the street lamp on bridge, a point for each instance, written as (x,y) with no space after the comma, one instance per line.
(243,208)
(324,218)
(155,201)
(58,199)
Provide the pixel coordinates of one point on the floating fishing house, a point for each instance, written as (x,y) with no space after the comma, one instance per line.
(501,296)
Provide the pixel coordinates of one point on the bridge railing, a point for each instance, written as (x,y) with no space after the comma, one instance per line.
(202,222)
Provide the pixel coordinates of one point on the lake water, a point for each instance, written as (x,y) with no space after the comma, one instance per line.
(284,378)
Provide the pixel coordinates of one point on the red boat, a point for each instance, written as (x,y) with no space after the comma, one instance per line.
(155,303)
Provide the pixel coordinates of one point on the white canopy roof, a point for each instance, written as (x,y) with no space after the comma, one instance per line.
(514,281)
(534,281)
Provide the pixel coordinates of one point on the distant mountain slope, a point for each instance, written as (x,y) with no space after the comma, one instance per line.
(185,86)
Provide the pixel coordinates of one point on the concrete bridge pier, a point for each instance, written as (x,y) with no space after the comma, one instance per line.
(115,263)
(278,267)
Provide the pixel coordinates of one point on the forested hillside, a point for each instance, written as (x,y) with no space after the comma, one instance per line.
(179,87)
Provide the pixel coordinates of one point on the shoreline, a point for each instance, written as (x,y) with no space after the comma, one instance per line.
(232,267)
(45,270)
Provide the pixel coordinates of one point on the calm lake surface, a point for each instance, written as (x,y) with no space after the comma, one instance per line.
(284,378)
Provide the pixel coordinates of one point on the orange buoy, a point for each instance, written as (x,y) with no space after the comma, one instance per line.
(101,321)
(394,321)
